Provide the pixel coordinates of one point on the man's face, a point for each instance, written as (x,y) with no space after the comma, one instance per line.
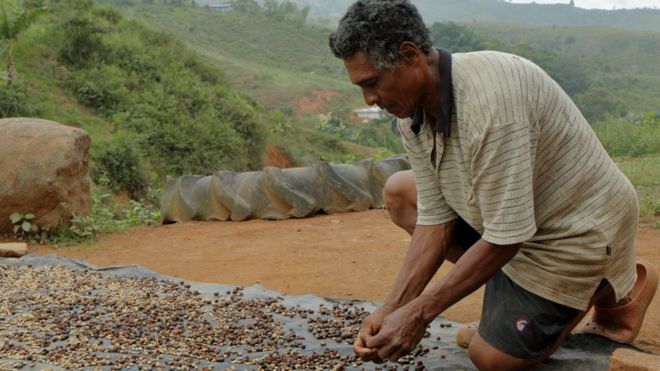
(395,91)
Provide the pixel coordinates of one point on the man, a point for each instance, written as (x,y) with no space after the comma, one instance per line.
(509,182)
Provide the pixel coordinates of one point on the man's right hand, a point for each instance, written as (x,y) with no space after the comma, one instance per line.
(370,327)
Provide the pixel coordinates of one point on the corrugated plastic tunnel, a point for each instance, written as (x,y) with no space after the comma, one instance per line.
(275,193)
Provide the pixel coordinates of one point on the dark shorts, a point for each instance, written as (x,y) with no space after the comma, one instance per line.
(514,320)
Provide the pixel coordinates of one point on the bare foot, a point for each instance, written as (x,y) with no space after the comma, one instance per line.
(465,333)
(621,323)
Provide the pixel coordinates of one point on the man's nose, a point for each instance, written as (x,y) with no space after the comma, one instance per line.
(370,98)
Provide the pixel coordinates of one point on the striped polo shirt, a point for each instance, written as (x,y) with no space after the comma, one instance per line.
(522,165)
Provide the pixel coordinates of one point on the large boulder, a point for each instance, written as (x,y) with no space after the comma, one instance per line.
(43,171)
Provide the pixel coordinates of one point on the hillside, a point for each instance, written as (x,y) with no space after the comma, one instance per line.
(501,11)
(285,64)
(172,90)
(153,107)
(621,66)
(272,60)
(279,62)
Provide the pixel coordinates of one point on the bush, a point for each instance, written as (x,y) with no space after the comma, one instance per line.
(644,173)
(186,127)
(111,14)
(83,41)
(100,87)
(121,161)
(177,108)
(379,133)
(107,216)
(13,100)
(632,137)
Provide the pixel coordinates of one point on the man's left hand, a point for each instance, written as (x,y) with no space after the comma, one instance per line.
(400,333)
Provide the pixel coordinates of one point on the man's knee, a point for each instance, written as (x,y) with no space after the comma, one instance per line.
(400,189)
(486,357)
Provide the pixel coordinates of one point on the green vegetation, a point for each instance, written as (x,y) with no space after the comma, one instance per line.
(379,134)
(109,215)
(285,11)
(13,99)
(273,60)
(167,87)
(153,107)
(25,229)
(612,74)
(608,72)
(631,137)
(13,22)
(644,173)
(254,47)
(165,99)
(504,11)
(635,143)
(615,76)
(621,120)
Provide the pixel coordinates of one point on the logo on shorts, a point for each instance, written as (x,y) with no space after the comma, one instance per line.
(521,324)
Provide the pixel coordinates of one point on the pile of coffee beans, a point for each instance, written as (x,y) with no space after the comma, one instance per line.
(75,318)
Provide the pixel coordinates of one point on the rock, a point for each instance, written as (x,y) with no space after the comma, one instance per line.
(43,171)
(631,360)
(13,250)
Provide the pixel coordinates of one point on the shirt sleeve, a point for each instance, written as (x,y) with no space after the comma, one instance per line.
(502,183)
(432,208)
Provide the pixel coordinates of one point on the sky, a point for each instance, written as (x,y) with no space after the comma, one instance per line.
(601,4)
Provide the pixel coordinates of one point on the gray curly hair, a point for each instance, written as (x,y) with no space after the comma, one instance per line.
(379,27)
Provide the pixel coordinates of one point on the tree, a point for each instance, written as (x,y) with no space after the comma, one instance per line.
(271,7)
(246,6)
(457,39)
(10,27)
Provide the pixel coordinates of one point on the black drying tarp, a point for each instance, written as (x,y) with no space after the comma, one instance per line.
(27,322)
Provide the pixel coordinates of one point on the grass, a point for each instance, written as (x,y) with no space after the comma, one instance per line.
(272,61)
(275,86)
(630,137)
(644,173)
(37,66)
(109,215)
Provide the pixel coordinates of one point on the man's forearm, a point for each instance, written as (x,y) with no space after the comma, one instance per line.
(425,255)
(472,270)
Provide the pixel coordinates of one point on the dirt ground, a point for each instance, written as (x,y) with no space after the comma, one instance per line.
(314,102)
(352,255)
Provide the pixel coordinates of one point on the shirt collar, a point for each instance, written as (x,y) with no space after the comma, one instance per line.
(444,112)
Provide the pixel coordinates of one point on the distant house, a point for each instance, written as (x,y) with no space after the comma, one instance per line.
(367,114)
(224,7)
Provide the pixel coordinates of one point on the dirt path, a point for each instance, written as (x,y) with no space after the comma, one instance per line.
(353,255)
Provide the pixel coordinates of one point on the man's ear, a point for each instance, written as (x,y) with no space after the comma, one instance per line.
(410,53)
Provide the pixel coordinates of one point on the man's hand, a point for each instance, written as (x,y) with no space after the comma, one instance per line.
(370,327)
(400,332)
